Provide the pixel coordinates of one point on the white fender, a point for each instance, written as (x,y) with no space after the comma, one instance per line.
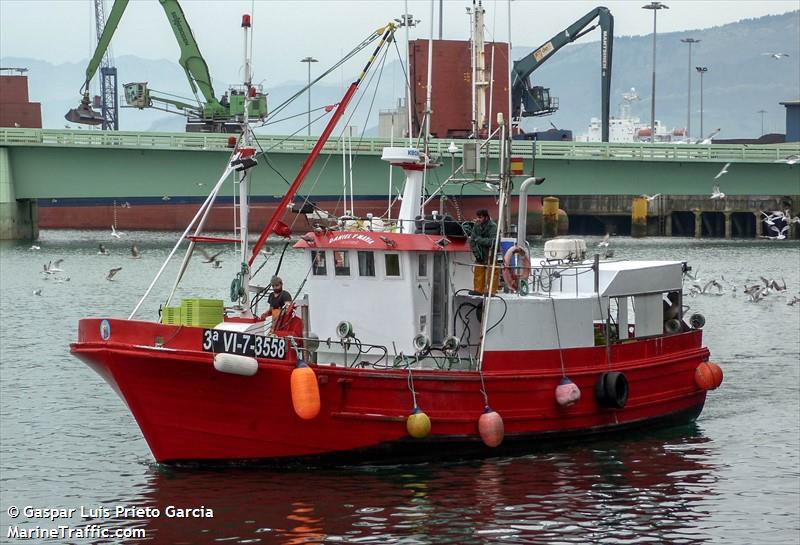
(235,364)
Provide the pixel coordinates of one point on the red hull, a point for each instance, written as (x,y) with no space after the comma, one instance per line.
(189,411)
(175,215)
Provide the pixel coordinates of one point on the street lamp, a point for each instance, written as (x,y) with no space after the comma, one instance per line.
(309,60)
(689,41)
(762,112)
(701,70)
(655,6)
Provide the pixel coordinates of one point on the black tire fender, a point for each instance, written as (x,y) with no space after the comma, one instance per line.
(611,390)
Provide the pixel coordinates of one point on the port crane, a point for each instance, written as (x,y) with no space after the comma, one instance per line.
(528,100)
(207,115)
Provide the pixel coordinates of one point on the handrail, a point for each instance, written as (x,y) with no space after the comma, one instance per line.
(753,153)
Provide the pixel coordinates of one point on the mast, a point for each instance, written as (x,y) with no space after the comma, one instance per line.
(479,70)
(244,204)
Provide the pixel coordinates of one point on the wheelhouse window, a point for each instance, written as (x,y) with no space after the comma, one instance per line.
(318,265)
(392,262)
(422,269)
(366,264)
(341,263)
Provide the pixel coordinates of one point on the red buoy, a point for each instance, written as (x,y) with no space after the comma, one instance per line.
(567,393)
(305,391)
(708,376)
(490,427)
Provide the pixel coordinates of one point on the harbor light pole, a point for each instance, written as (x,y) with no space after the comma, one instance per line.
(689,41)
(762,112)
(655,6)
(309,60)
(701,70)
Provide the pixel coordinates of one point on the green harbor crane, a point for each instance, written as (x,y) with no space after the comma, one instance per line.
(207,115)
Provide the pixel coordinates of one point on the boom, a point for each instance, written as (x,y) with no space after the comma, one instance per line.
(531,101)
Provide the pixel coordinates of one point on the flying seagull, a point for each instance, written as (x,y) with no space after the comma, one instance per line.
(605,242)
(112,273)
(723,171)
(651,198)
(776,56)
(789,160)
(211,258)
(115,233)
(716,193)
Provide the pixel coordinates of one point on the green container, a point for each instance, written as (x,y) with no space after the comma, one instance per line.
(202,312)
(171,315)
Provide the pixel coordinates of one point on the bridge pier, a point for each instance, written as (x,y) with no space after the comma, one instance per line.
(759,225)
(550,217)
(728,226)
(668,225)
(698,223)
(639,217)
(18,218)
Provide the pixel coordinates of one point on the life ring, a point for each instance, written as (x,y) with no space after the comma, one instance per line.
(512,274)
(611,390)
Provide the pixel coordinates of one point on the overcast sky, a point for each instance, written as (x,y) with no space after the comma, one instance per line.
(286,31)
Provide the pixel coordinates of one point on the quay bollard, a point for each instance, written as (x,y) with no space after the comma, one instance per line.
(639,217)
(550,217)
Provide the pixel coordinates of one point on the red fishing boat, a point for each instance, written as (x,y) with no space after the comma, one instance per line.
(390,353)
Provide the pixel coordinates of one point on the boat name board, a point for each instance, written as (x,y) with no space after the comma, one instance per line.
(348,236)
(243,344)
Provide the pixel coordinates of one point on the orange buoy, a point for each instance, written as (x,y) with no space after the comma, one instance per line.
(567,393)
(491,428)
(708,376)
(305,391)
(418,424)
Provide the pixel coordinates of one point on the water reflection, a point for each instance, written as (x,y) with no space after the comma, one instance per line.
(653,488)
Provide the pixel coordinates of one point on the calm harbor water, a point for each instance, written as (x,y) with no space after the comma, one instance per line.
(67,440)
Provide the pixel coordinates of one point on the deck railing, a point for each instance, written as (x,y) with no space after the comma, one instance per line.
(754,153)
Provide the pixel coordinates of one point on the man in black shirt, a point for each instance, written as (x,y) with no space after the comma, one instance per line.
(278,299)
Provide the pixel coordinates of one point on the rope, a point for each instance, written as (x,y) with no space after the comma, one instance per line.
(410,383)
(558,338)
(483,389)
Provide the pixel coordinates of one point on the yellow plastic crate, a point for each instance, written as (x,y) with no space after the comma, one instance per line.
(202,312)
(171,315)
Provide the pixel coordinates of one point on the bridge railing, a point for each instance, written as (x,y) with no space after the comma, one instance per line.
(756,153)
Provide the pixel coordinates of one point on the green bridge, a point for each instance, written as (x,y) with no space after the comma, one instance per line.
(77,165)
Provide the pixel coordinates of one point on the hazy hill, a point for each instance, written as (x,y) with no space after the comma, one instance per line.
(740,81)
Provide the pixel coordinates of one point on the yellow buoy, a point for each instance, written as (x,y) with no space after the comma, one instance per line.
(491,427)
(305,391)
(418,424)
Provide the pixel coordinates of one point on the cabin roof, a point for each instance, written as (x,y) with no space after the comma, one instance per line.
(372,240)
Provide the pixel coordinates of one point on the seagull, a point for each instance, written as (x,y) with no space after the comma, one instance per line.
(35,247)
(794,300)
(716,193)
(37,291)
(46,268)
(723,171)
(135,252)
(115,233)
(651,198)
(789,160)
(54,268)
(781,233)
(166,198)
(605,242)
(710,137)
(217,265)
(101,250)
(776,56)
(112,273)
(211,258)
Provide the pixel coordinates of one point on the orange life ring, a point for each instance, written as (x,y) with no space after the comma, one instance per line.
(512,274)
